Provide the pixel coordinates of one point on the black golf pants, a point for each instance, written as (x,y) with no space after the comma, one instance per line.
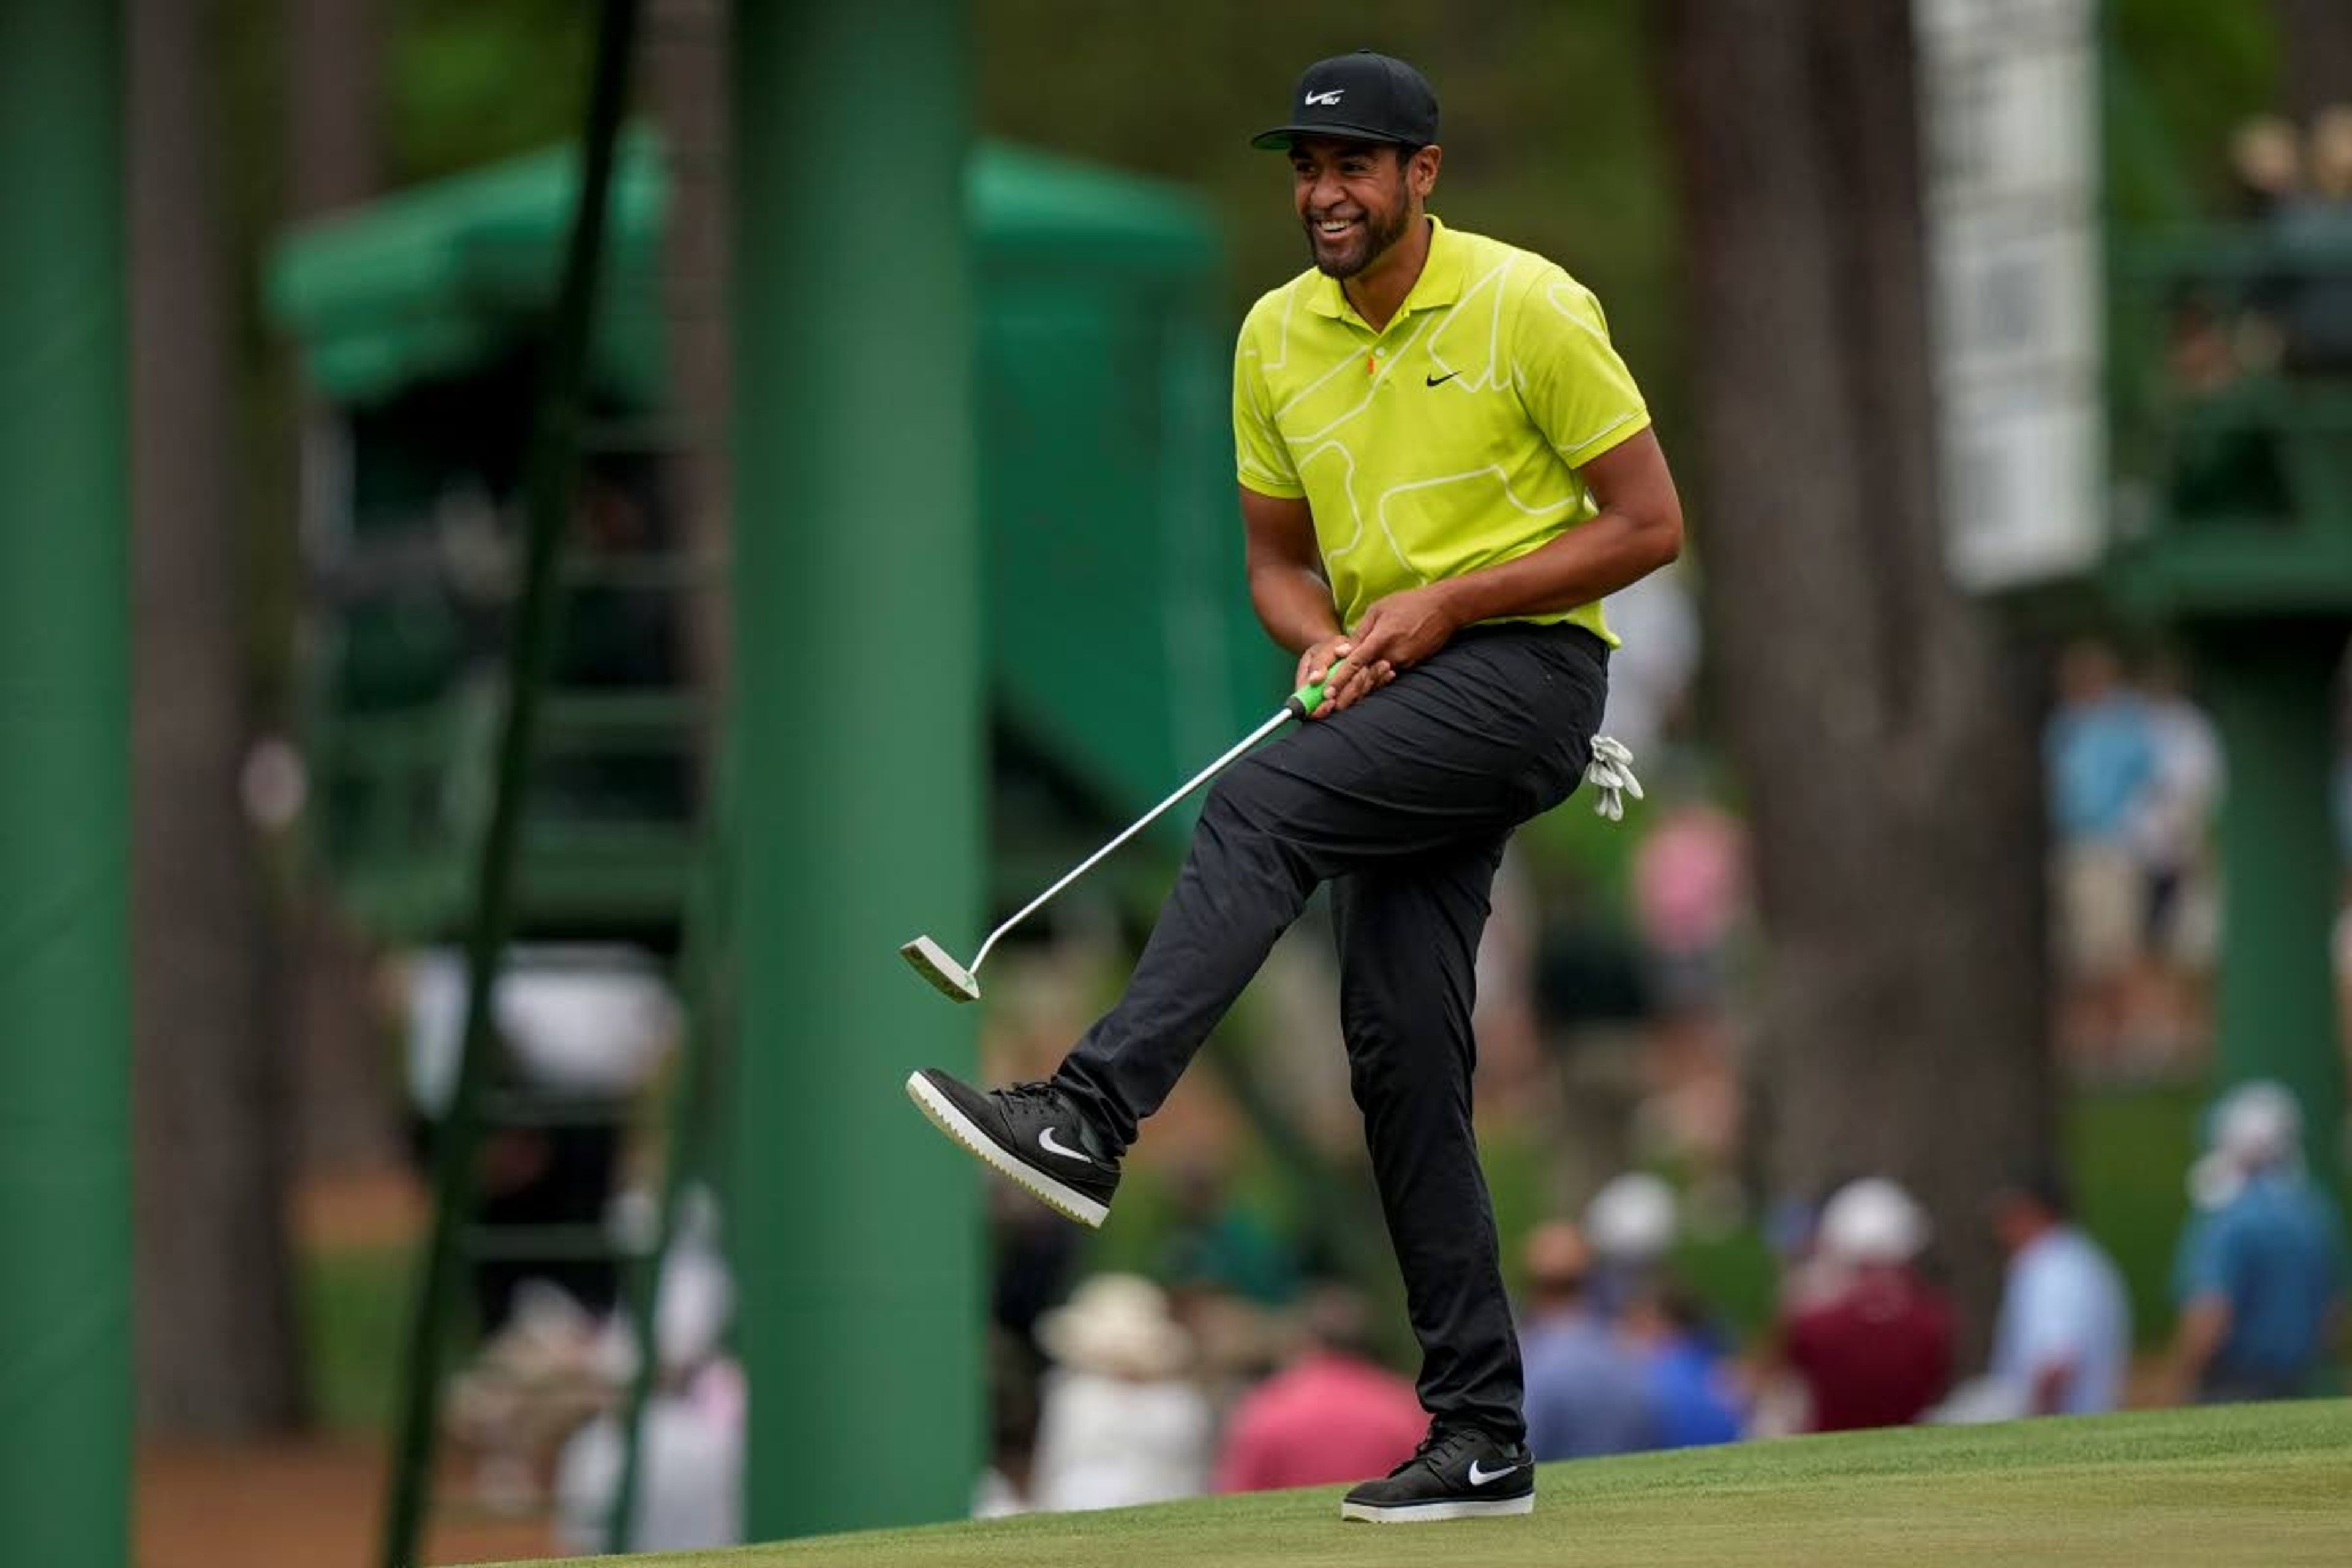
(1403,802)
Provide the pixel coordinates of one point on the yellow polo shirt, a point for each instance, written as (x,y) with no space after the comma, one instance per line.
(1448,442)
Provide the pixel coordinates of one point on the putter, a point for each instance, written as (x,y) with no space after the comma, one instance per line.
(960,984)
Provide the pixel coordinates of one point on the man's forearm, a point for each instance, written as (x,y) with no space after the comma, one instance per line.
(2204,1324)
(1294,606)
(1589,562)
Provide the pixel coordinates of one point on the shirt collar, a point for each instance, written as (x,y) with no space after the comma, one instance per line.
(1440,282)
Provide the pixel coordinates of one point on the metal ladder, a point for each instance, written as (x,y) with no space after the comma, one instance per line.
(551,488)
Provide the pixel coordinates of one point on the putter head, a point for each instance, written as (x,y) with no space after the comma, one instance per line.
(952,979)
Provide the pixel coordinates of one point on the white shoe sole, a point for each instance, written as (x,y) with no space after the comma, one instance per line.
(1433,1512)
(1063,1199)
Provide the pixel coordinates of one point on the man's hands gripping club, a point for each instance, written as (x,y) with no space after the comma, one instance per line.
(1395,634)
(1355,680)
(1293,598)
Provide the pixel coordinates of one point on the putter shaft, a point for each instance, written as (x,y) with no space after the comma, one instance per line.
(1282,716)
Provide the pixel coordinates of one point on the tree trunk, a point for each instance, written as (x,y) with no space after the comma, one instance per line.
(215,1333)
(344,1083)
(335,158)
(2315,46)
(1884,732)
(687,66)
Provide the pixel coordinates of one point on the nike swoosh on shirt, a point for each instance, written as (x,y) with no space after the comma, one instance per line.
(1052,1146)
(1479,1477)
(1440,380)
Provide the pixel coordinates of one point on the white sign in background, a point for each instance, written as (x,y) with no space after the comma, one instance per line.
(2009,104)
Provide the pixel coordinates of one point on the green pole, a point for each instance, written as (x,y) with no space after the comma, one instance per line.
(65,1051)
(856,1232)
(2271,687)
(549,487)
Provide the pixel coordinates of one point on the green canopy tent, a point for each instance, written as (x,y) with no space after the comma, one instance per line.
(1121,649)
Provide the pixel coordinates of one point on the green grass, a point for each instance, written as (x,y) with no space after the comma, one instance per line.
(2268,1485)
(2130,1151)
(354,1305)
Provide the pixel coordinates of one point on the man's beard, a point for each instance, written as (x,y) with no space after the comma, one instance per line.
(1378,237)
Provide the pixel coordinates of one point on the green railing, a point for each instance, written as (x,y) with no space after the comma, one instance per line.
(605,845)
(2232,371)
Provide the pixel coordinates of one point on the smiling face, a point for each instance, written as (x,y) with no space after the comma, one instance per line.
(1357,199)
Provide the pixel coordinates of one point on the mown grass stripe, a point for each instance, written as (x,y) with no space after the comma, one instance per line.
(2258,1486)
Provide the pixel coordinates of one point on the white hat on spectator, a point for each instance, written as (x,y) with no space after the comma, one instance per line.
(2257,1124)
(1118,1325)
(1632,1219)
(1873,1221)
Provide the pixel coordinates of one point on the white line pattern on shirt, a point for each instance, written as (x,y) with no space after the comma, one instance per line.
(1440,331)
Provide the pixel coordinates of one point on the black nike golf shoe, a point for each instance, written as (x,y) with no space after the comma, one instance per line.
(1458,1472)
(1030,1134)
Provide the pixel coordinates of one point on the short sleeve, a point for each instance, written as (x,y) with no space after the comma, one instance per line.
(1567,373)
(2050,1319)
(1261,457)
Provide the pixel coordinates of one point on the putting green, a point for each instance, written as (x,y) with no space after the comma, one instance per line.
(2268,1485)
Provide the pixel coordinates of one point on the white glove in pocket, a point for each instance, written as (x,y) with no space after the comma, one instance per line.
(1611,775)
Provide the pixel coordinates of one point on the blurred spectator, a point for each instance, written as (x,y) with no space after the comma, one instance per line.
(2200,360)
(2223,459)
(2266,160)
(2330,161)
(1876,1349)
(1237,1344)
(690,1445)
(1689,890)
(2172,836)
(1690,874)
(2315,233)
(2062,1342)
(2340,955)
(1630,1226)
(2261,1271)
(1689,1383)
(1593,1002)
(2100,754)
(2176,816)
(1333,1415)
(1220,1244)
(1003,1488)
(1587,1390)
(527,1388)
(1032,1253)
(1504,1014)
(581,1027)
(1118,1422)
(2341,802)
(1792,1228)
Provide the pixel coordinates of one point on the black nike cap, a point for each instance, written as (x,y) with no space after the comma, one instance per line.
(1362,97)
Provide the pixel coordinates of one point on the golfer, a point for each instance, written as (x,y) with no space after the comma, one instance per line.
(1443,466)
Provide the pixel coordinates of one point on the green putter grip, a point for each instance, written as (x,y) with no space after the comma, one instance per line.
(1308,698)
